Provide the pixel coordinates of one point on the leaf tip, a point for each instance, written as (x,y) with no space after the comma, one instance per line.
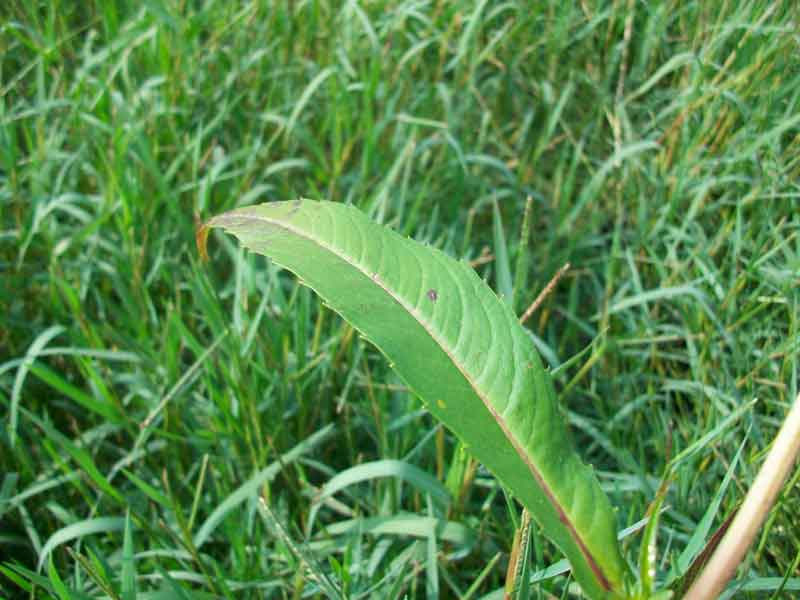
(201,239)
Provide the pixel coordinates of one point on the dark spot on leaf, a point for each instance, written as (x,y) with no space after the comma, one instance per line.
(432,295)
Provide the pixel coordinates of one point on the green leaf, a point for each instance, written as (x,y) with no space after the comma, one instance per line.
(79,530)
(250,488)
(80,455)
(58,585)
(52,378)
(504,284)
(128,583)
(403,471)
(461,350)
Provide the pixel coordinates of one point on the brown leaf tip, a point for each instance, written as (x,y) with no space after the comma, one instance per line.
(201,239)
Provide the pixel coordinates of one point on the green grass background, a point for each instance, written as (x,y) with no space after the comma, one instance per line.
(147,399)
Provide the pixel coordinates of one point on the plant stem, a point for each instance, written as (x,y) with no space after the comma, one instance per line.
(755,508)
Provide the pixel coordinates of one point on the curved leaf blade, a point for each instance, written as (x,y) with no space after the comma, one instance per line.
(461,350)
(79,530)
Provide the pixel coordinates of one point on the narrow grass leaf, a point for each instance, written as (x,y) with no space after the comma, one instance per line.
(501,260)
(20,581)
(761,584)
(314,570)
(431,562)
(151,492)
(473,23)
(405,524)
(79,530)
(191,374)
(16,392)
(128,576)
(673,64)
(523,256)
(697,541)
(174,589)
(595,183)
(664,293)
(559,568)
(53,379)
(9,485)
(771,135)
(58,585)
(80,456)
(305,97)
(251,487)
(398,469)
(710,436)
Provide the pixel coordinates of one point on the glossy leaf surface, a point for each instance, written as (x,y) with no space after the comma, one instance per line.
(461,350)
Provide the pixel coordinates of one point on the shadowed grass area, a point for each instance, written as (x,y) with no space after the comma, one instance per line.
(147,399)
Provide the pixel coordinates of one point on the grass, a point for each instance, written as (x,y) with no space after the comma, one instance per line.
(148,400)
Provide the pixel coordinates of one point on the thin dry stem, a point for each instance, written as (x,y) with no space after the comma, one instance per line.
(544,293)
(755,508)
